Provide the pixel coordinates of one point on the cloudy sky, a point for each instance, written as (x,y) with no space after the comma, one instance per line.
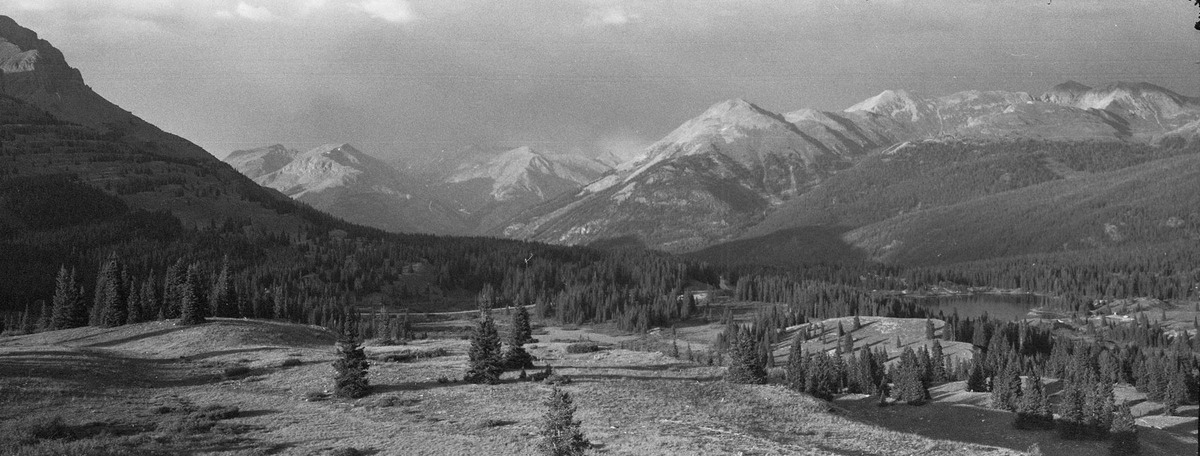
(403,77)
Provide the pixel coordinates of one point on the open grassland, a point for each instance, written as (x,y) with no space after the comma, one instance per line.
(254,387)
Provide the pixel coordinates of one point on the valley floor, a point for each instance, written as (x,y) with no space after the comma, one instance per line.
(143,389)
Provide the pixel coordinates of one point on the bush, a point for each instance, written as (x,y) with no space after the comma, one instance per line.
(291,362)
(348,451)
(583,347)
(236,371)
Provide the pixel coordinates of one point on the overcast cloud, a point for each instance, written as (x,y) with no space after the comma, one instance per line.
(398,78)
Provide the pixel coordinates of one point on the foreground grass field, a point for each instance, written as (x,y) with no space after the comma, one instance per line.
(155,388)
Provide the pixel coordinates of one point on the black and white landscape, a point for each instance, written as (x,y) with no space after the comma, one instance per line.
(598,227)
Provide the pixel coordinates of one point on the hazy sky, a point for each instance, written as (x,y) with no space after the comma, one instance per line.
(397,77)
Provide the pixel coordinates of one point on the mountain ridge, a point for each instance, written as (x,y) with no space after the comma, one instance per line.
(721,174)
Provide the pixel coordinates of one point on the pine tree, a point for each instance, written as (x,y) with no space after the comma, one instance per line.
(522,331)
(111,302)
(191,301)
(133,305)
(745,366)
(848,343)
(224,297)
(1177,391)
(938,359)
(929,331)
(795,363)
(857,324)
(1071,419)
(820,379)
(1123,433)
(516,357)
(350,369)
(1006,389)
(1033,411)
(68,309)
(976,381)
(910,387)
(174,284)
(485,362)
(1098,408)
(561,433)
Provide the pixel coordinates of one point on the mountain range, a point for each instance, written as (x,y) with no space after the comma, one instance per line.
(469,191)
(874,176)
(899,177)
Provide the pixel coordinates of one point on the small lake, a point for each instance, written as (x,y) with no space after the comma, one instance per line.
(1005,307)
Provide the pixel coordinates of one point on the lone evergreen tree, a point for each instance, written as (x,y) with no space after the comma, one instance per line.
(350,369)
(1123,433)
(485,363)
(561,435)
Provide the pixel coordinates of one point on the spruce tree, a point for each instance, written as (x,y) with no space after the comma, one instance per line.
(1071,418)
(938,358)
(561,433)
(68,309)
(745,364)
(350,369)
(174,284)
(191,301)
(795,363)
(522,330)
(516,357)
(111,302)
(1006,389)
(133,305)
(1033,412)
(1176,392)
(485,361)
(976,381)
(1123,433)
(820,379)
(224,297)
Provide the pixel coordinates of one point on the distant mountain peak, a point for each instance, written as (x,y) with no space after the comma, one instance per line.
(893,103)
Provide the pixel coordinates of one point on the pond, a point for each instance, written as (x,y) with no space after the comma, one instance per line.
(998,306)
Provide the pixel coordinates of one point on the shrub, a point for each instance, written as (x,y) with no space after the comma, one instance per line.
(236,371)
(583,347)
(348,451)
(291,362)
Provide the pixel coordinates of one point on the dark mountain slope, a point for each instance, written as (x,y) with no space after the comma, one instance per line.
(1142,205)
(33,70)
